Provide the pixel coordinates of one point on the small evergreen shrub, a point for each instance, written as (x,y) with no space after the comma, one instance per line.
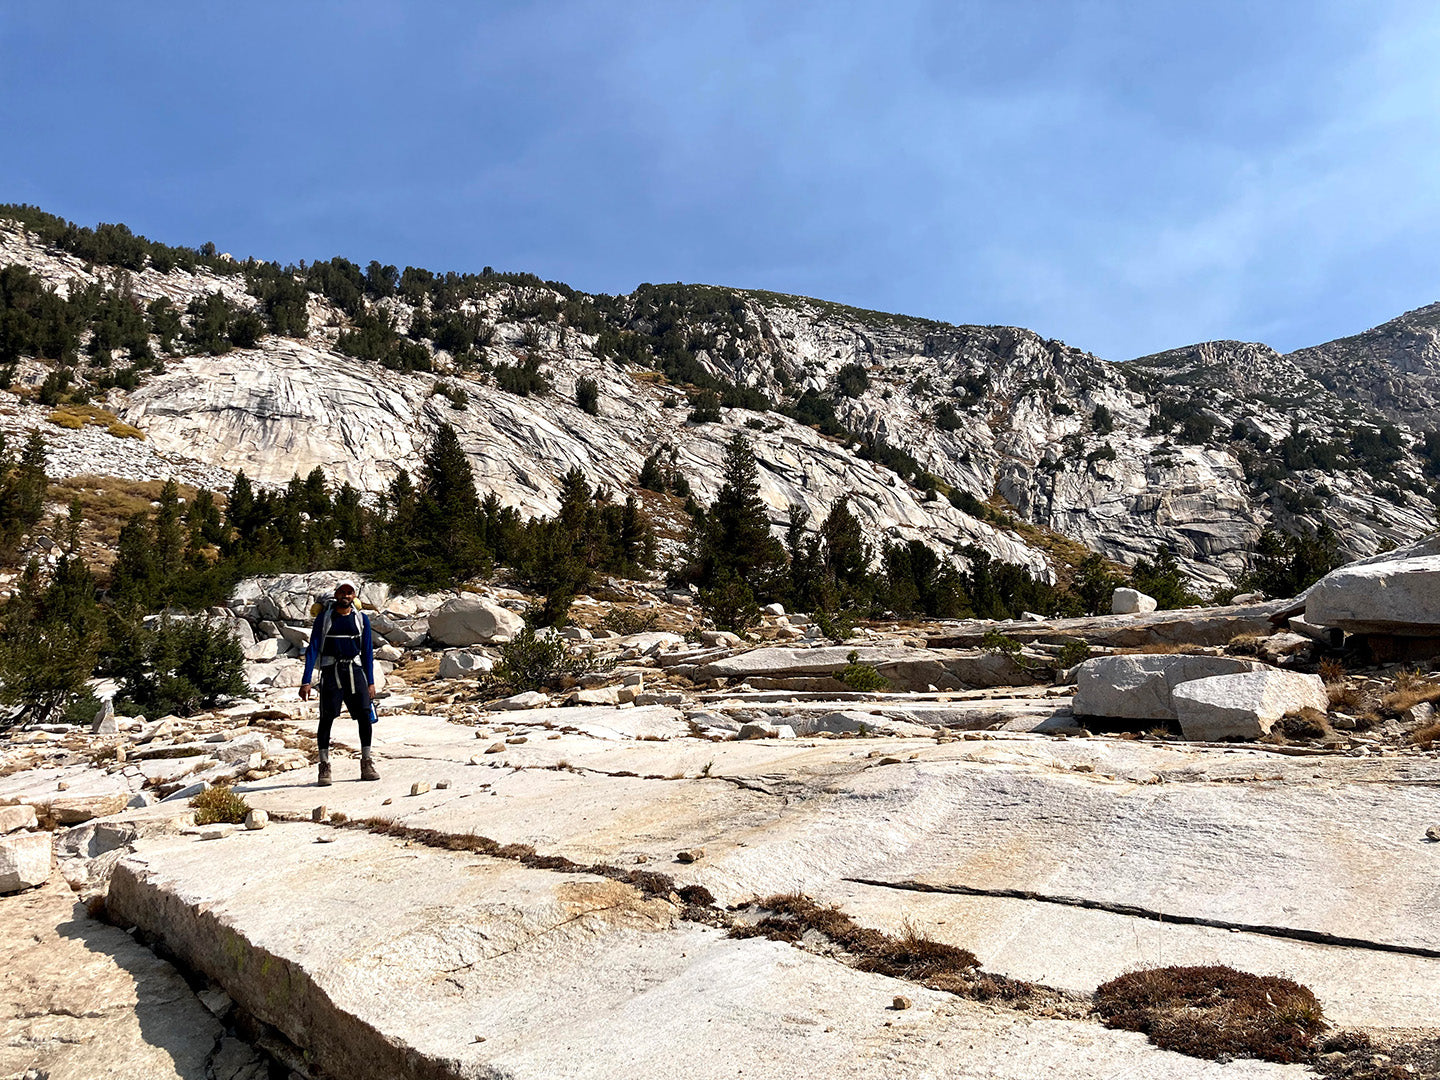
(587,396)
(858,676)
(219,804)
(628,621)
(1072,653)
(532,662)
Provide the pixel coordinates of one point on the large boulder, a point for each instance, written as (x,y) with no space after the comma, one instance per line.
(1399,596)
(1244,706)
(1139,686)
(25,860)
(473,620)
(1131,602)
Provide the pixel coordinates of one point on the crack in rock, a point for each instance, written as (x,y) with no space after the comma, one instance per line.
(1316,937)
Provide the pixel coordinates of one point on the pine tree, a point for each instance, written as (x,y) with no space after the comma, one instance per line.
(22,491)
(49,640)
(733,553)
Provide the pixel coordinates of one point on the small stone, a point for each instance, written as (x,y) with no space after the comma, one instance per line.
(889,761)
(320,813)
(901,1002)
(516,740)
(420,787)
(216,832)
(1433,832)
(694,855)
(325,838)
(256,819)
(475,759)
(387,802)
(496,748)
(217,1001)
(441,785)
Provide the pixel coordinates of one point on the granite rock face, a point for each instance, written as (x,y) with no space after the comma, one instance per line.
(1244,706)
(1162,450)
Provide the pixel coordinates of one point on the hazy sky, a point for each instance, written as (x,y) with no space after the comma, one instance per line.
(1126,176)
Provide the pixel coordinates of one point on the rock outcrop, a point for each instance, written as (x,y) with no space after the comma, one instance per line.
(1141,687)
(1244,706)
(1391,597)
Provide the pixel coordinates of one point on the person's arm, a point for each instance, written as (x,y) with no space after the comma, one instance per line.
(367,647)
(312,654)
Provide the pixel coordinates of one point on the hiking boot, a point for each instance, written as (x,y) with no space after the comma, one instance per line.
(367,770)
(324,780)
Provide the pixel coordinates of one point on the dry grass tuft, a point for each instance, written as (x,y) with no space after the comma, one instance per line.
(1332,671)
(1349,698)
(219,804)
(1215,1012)
(1244,645)
(1427,737)
(910,955)
(1307,724)
(1410,690)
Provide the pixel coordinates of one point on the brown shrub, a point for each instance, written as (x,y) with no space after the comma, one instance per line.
(1305,724)
(1332,671)
(1215,1012)
(1244,645)
(1349,698)
(1426,737)
(1409,692)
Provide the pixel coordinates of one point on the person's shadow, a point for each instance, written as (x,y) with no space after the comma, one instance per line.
(171,1018)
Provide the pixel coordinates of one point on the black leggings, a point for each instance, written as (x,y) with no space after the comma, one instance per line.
(333,695)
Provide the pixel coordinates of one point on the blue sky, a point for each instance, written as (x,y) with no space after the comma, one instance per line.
(1125,176)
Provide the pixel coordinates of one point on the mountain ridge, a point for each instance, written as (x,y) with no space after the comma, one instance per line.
(972,432)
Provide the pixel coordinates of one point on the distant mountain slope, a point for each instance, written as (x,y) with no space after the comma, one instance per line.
(951,434)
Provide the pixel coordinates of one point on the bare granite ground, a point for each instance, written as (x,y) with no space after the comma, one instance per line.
(1063,861)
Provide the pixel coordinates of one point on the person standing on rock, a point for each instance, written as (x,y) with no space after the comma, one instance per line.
(341,646)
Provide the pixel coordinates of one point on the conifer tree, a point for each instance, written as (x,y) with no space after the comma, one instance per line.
(733,555)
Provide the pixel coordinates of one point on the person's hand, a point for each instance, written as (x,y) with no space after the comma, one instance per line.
(372,691)
(305,691)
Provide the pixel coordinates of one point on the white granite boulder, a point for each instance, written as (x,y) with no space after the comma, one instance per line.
(13,818)
(1401,596)
(458,663)
(1131,602)
(1138,686)
(1246,705)
(473,620)
(25,860)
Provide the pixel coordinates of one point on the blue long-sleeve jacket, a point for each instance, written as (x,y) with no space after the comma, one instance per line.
(318,632)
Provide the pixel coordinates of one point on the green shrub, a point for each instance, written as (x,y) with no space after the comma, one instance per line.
(860,676)
(995,641)
(178,666)
(836,626)
(628,621)
(730,604)
(1072,653)
(532,662)
(217,804)
(587,395)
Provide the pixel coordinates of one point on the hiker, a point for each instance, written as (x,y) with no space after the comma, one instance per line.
(340,644)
